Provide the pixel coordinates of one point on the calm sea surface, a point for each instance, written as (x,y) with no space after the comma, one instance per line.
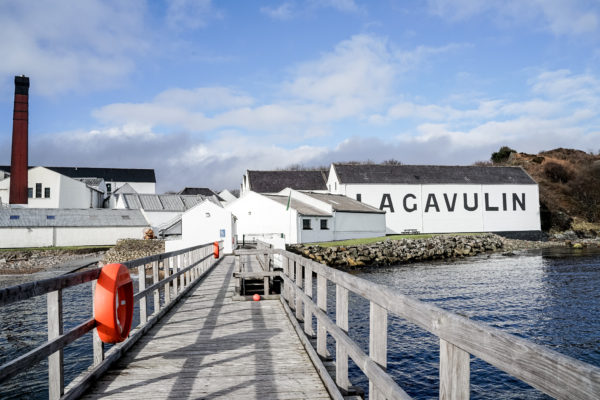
(551,297)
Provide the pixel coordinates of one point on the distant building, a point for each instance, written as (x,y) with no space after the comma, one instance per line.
(310,217)
(443,199)
(50,189)
(44,227)
(205,192)
(276,181)
(141,180)
(227,196)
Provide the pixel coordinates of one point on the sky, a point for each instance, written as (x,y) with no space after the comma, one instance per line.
(204,90)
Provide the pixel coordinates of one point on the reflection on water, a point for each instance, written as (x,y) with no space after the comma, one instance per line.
(550,297)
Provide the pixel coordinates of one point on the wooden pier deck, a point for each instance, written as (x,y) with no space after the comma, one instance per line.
(210,346)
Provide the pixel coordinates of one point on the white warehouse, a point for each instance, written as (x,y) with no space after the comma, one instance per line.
(443,199)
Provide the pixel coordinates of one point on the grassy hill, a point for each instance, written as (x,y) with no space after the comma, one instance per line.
(569,182)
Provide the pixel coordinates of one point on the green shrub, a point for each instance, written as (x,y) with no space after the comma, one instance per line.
(557,172)
(502,154)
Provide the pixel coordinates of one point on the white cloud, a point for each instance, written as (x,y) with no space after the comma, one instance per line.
(64,45)
(283,12)
(561,17)
(340,5)
(190,14)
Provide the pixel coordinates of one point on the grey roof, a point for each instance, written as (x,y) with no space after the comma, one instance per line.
(108,174)
(343,203)
(126,188)
(66,217)
(206,192)
(301,207)
(275,181)
(430,174)
(160,202)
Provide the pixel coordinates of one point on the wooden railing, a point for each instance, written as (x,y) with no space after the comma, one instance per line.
(181,269)
(555,374)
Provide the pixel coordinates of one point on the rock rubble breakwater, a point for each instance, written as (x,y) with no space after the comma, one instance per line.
(391,252)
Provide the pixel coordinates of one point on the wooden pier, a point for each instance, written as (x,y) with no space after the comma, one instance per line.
(211,346)
(199,337)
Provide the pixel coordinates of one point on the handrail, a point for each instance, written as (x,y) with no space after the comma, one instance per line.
(189,265)
(553,373)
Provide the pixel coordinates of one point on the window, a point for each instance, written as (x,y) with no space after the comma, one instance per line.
(14,217)
(38,190)
(324,224)
(306,224)
(334,185)
(30,193)
(47,193)
(125,216)
(108,188)
(50,216)
(358,197)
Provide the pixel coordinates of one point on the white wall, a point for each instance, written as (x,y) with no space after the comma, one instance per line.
(316,234)
(73,194)
(204,223)
(66,236)
(259,214)
(358,225)
(414,207)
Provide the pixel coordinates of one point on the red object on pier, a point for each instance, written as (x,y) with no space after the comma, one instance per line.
(19,156)
(216,249)
(256,297)
(113,303)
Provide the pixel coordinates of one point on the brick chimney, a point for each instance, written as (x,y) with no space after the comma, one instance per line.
(19,157)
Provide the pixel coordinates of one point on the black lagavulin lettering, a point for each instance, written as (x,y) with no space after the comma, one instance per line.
(386,202)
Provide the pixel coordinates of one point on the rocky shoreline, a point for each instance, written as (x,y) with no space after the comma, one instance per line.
(441,247)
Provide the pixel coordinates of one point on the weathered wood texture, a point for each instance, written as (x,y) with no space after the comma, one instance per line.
(213,347)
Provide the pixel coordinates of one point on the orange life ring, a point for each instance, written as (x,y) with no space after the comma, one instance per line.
(216,249)
(113,303)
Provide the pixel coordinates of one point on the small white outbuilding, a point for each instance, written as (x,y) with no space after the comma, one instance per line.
(305,217)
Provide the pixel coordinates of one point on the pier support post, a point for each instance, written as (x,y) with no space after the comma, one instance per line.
(308,290)
(455,371)
(341,355)
(141,287)
(377,343)
(97,344)
(56,380)
(322,304)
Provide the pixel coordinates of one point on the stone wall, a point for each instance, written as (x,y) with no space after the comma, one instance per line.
(130,249)
(391,252)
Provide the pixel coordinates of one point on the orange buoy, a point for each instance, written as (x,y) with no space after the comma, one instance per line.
(113,303)
(256,297)
(216,249)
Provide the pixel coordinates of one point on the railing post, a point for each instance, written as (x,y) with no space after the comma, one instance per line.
(175,261)
(286,286)
(299,315)
(341,355)
(97,344)
(377,343)
(56,380)
(322,304)
(157,291)
(455,372)
(238,281)
(181,266)
(141,287)
(308,328)
(167,269)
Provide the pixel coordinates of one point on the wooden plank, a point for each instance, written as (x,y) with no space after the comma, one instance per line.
(298,275)
(167,271)
(377,343)
(322,304)
(56,378)
(341,356)
(175,261)
(256,275)
(454,372)
(308,289)
(155,280)
(141,288)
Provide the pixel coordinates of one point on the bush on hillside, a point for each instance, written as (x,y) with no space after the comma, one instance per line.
(557,172)
(586,189)
(502,154)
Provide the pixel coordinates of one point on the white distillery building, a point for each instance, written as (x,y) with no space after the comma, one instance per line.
(310,217)
(443,199)
(206,222)
(44,227)
(50,189)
